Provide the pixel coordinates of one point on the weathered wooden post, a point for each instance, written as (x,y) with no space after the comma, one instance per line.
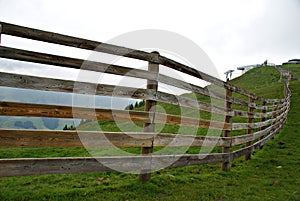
(274,115)
(286,88)
(262,119)
(150,105)
(249,130)
(226,149)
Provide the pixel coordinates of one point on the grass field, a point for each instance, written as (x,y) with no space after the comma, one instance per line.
(294,68)
(273,173)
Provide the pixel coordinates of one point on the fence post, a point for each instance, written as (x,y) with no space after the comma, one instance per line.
(276,107)
(150,105)
(263,119)
(249,130)
(226,149)
(285,88)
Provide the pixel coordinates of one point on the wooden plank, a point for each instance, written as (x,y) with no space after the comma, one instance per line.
(66,139)
(200,159)
(10,138)
(250,149)
(40,166)
(273,100)
(189,141)
(188,121)
(62,61)
(241,113)
(247,114)
(50,37)
(241,139)
(234,100)
(40,110)
(68,86)
(240,126)
(68,165)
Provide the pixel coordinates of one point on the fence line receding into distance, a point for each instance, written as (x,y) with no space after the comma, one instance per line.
(260,118)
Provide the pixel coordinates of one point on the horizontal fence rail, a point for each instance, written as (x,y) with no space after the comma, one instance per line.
(261,118)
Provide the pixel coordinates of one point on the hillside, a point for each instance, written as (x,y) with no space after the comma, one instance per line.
(273,173)
(263,81)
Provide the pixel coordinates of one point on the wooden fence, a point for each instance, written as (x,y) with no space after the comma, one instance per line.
(260,118)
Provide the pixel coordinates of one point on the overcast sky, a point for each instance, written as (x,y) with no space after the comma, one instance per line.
(232,32)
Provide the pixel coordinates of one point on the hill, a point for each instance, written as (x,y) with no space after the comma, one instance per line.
(272,174)
(294,68)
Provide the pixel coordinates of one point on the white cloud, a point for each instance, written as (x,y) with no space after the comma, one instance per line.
(232,32)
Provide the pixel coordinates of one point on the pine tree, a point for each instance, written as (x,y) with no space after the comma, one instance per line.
(65,127)
(130,107)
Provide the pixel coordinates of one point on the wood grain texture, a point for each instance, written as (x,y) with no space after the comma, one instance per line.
(68,86)
(47,138)
(40,110)
(62,61)
(55,38)
(41,166)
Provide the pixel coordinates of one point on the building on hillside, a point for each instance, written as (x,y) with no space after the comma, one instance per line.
(292,61)
(248,67)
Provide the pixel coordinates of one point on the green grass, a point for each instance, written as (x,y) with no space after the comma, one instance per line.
(294,68)
(263,81)
(273,173)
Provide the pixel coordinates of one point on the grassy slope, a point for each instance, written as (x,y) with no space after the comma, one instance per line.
(272,174)
(294,68)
